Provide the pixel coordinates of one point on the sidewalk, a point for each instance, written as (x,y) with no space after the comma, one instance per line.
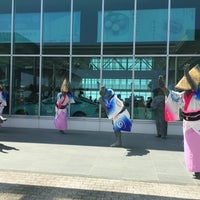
(44,164)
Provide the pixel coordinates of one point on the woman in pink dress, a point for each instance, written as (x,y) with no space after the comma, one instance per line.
(64,98)
(188,99)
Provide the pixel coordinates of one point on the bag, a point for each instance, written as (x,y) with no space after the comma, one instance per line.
(60,121)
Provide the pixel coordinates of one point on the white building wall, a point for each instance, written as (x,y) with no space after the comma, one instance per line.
(139,126)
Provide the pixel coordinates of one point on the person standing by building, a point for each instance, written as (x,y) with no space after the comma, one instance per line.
(158,107)
(3,103)
(116,111)
(188,99)
(64,98)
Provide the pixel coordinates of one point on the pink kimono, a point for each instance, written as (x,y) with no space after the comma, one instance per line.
(190,106)
(63,100)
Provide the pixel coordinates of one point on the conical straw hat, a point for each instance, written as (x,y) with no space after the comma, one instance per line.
(194,73)
(64,86)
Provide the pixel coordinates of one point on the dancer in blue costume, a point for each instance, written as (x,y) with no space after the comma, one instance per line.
(3,103)
(116,111)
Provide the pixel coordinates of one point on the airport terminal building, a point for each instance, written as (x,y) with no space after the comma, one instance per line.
(122,44)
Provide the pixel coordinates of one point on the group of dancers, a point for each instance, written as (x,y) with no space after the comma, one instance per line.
(186,97)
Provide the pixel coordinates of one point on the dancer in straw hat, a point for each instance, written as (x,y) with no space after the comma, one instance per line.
(64,98)
(188,99)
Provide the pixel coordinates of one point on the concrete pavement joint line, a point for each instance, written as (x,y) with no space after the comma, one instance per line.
(100,184)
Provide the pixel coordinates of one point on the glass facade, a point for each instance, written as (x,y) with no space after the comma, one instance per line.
(124,45)
(151,27)
(5,77)
(56,27)
(25,85)
(5,27)
(26,27)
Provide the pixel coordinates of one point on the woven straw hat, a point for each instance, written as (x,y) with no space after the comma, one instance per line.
(184,83)
(64,86)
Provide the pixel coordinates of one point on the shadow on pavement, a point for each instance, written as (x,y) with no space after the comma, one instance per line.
(5,148)
(27,192)
(135,143)
(137,152)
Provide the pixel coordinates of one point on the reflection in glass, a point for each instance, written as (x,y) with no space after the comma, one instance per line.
(54,71)
(25,88)
(151,27)
(85,83)
(117,75)
(5,79)
(184,27)
(5,26)
(118,27)
(147,71)
(27,27)
(56,26)
(85,39)
(176,68)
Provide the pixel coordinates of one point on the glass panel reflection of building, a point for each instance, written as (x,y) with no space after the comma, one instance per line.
(94,43)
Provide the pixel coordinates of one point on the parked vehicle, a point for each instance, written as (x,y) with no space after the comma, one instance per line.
(81,108)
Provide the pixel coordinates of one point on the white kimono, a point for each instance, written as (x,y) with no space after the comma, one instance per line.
(191,125)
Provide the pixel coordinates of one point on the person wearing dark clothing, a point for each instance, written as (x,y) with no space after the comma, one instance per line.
(158,107)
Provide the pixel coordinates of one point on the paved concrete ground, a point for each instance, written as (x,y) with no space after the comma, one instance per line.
(45,164)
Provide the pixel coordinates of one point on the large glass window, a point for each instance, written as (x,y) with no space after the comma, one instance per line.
(76,53)
(5,26)
(85,84)
(25,87)
(176,68)
(54,71)
(56,27)
(147,71)
(5,79)
(151,27)
(185,27)
(117,75)
(86,23)
(27,27)
(118,27)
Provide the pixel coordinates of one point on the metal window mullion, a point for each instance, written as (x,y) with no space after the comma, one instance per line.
(71,40)
(70,45)
(102,38)
(101,53)
(168,39)
(133,58)
(40,61)
(11,56)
